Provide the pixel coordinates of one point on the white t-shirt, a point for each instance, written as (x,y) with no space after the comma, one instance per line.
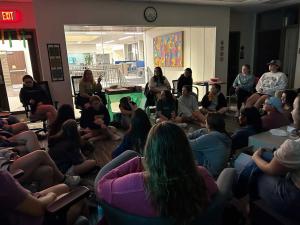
(270,82)
(288,154)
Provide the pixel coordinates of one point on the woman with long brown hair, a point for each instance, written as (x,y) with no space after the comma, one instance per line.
(166,182)
(89,87)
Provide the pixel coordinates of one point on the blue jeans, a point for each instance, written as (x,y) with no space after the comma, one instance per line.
(279,192)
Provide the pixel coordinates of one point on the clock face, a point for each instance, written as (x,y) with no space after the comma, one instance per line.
(150,14)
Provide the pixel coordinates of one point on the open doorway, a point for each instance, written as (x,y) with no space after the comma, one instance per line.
(15,63)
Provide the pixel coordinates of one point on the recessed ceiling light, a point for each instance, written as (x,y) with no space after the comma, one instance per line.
(95,33)
(107,42)
(79,42)
(134,33)
(124,38)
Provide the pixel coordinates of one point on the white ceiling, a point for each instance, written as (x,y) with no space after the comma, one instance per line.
(107,35)
(254,5)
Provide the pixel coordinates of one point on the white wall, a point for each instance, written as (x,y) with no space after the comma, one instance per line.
(198,51)
(245,23)
(51,16)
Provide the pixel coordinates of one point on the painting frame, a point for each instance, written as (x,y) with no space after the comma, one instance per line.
(168,50)
(55,62)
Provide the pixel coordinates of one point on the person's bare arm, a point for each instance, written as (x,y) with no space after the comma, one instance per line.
(36,206)
(272,168)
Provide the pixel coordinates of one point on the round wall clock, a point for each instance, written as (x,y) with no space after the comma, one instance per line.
(150,14)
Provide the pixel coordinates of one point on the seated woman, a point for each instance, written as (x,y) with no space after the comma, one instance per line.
(184,79)
(87,88)
(12,125)
(64,149)
(157,84)
(95,120)
(250,123)
(277,180)
(164,183)
(268,84)
(275,116)
(64,113)
(136,136)
(287,99)
(188,109)
(243,85)
(211,145)
(35,97)
(214,100)
(24,142)
(20,206)
(166,107)
(37,167)
(127,108)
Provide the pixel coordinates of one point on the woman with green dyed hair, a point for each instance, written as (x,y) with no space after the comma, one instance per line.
(166,182)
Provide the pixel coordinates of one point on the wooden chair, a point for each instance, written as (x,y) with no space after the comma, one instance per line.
(57,211)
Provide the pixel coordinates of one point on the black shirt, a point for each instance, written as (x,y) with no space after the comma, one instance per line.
(88,116)
(183,80)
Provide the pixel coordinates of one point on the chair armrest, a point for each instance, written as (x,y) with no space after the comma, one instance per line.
(119,160)
(225,182)
(18,173)
(68,200)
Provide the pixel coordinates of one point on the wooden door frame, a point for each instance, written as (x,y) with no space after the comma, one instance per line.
(30,36)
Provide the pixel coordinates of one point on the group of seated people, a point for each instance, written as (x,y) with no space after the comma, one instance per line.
(163,178)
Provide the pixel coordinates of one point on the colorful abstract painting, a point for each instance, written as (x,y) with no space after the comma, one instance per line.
(168,50)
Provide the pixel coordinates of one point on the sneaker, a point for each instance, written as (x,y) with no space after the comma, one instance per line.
(72,180)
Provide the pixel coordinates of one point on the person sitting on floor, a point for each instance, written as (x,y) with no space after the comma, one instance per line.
(275,116)
(166,107)
(37,166)
(87,88)
(188,109)
(24,142)
(12,125)
(274,178)
(268,84)
(287,99)
(243,85)
(185,79)
(95,120)
(157,183)
(214,101)
(250,123)
(211,145)
(35,97)
(136,136)
(64,149)
(20,206)
(127,108)
(64,113)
